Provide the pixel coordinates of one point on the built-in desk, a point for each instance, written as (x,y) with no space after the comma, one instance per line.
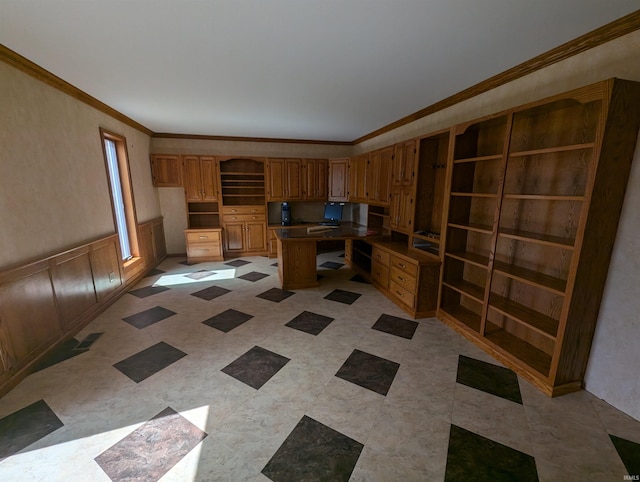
(406,276)
(297,252)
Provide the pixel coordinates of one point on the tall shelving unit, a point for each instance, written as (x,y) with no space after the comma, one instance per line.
(242,181)
(534,201)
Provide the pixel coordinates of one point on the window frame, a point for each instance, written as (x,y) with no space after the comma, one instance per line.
(131,265)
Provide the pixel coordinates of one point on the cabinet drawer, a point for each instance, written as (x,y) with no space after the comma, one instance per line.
(243,210)
(404,265)
(402,295)
(203,237)
(402,279)
(380,256)
(380,274)
(204,250)
(230,218)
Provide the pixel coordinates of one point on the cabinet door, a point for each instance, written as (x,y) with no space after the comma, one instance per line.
(233,236)
(277,180)
(293,177)
(406,211)
(338,179)
(404,163)
(209,174)
(166,170)
(316,179)
(357,178)
(256,239)
(383,177)
(192,178)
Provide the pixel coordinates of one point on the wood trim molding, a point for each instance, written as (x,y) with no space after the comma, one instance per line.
(611,31)
(25,65)
(165,135)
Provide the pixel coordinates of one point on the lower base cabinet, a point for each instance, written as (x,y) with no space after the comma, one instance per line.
(204,245)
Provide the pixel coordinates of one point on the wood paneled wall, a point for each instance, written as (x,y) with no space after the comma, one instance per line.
(46,301)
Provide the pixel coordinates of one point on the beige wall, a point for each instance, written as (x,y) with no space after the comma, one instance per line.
(54,191)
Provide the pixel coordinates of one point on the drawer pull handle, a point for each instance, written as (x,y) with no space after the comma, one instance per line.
(399,294)
(401,278)
(204,237)
(402,265)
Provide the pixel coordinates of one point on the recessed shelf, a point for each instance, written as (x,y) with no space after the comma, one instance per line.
(478,159)
(517,348)
(543,197)
(478,228)
(475,194)
(545,239)
(476,259)
(463,315)
(551,150)
(466,288)
(539,322)
(535,278)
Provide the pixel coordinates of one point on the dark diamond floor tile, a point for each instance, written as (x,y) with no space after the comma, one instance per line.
(319,277)
(253,276)
(313,451)
(186,263)
(276,295)
(199,275)
(88,340)
(256,367)
(227,320)
(148,317)
(331,265)
(473,457)
(341,255)
(309,322)
(63,352)
(275,264)
(151,450)
(211,293)
(359,279)
(236,263)
(342,296)
(154,272)
(629,453)
(369,371)
(396,326)
(489,378)
(26,426)
(148,291)
(149,361)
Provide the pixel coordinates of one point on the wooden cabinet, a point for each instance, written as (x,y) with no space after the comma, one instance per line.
(430,187)
(166,170)
(338,180)
(273,243)
(357,178)
(404,162)
(201,178)
(245,230)
(378,177)
(203,245)
(533,204)
(401,211)
(284,179)
(315,187)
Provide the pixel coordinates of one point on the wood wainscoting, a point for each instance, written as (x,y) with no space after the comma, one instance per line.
(48,300)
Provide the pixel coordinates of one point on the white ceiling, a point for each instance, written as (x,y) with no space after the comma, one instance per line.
(298,69)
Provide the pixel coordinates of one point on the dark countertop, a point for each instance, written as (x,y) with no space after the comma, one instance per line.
(346,230)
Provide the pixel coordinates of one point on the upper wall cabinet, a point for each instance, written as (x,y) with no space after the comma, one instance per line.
(166,170)
(201,178)
(315,179)
(357,178)
(338,180)
(285,180)
(378,178)
(404,161)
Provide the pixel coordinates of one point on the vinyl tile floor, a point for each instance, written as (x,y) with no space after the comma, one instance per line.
(211,372)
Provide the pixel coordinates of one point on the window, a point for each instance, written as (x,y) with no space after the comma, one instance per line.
(117,163)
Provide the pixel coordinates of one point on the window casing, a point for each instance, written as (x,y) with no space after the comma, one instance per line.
(121,192)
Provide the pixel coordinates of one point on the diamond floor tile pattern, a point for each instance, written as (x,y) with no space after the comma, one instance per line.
(26,426)
(629,453)
(473,457)
(152,449)
(148,362)
(237,263)
(313,451)
(331,265)
(211,293)
(227,320)
(253,276)
(369,371)
(309,322)
(256,367)
(396,326)
(276,295)
(148,317)
(148,291)
(343,296)
(489,378)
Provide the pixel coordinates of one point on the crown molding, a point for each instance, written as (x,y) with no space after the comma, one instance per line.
(611,31)
(166,135)
(25,65)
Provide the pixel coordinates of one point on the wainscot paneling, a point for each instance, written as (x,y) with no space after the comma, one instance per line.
(46,301)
